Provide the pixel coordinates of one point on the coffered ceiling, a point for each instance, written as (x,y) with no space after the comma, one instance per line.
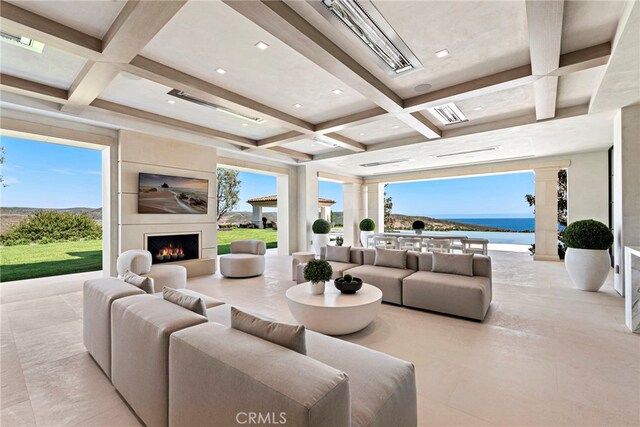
(320,91)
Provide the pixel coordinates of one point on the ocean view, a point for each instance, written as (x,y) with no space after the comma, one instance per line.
(512,224)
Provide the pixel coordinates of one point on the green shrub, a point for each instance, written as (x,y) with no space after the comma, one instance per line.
(367,224)
(52,226)
(588,234)
(418,225)
(317,270)
(321,226)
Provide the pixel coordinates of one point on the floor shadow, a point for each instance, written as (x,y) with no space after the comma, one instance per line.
(82,262)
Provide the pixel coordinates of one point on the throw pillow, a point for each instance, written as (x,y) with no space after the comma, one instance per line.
(339,253)
(144,283)
(189,302)
(393,258)
(461,264)
(284,334)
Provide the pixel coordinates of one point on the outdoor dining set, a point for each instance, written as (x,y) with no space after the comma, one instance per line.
(429,243)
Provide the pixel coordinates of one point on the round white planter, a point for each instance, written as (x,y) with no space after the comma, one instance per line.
(320,241)
(316,288)
(364,237)
(587,268)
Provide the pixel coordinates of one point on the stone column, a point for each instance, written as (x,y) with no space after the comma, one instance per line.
(352,207)
(375,205)
(256,218)
(286,214)
(546,228)
(307,203)
(626,187)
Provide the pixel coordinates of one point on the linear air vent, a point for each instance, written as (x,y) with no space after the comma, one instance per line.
(185,96)
(462,153)
(23,42)
(361,18)
(448,114)
(370,165)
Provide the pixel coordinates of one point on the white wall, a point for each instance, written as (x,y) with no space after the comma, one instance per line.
(151,154)
(588,187)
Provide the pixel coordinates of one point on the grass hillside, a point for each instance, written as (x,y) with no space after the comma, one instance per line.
(12,216)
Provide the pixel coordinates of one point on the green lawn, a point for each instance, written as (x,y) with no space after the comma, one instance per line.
(30,261)
(269,236)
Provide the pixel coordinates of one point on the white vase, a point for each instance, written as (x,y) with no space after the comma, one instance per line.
(364,238)
(320,241)
(316,288)
(587,268)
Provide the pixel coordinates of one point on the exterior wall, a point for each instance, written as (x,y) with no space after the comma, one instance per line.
(546,228)
(146,153)
(588,187)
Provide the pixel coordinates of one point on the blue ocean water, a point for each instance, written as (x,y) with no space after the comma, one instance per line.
(511,224)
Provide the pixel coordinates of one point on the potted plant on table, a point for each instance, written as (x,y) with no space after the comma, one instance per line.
(587,258)
(348,284)
(366,229)
(316,272)
(418,226)
(321,229)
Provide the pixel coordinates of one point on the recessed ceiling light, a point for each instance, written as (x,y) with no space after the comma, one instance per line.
(395,126)
(337,91)
(245,124)
(297,105)
(361,133)
(442,53)
(262,45)
(171,101)
(477,108)
(220,71)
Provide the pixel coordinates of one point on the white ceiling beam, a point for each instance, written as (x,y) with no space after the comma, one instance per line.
(352,120)
(32,89)
(89,84)
(421,124)
(283,138)
(344,142)
(544,20)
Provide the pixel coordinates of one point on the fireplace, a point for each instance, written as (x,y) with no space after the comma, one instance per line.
(175,247)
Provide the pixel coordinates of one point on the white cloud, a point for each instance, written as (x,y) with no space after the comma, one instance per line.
(76,172)
(10,181)
(62,171)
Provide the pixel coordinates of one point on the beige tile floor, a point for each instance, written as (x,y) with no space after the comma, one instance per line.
(546,354)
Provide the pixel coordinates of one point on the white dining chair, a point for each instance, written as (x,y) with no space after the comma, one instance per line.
(437,245)
(385,242)
(410,243)
(475,246)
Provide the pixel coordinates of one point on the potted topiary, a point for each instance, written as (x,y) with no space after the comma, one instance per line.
(348,284)
(316,272)
(321,229)
(366,229)
(587,257)
(418,226)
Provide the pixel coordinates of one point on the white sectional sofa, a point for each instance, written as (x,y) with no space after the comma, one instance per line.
(178,368)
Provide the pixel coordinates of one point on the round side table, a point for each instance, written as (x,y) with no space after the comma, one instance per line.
(299,258)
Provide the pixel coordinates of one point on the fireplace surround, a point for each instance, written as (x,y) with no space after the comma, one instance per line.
(173,247)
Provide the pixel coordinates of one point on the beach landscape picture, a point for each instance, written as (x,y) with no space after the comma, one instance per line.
(172,194)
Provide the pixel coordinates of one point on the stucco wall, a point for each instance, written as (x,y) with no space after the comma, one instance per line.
(588,187)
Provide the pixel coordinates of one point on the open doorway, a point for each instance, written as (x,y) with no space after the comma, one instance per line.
(51,209)
(330,195)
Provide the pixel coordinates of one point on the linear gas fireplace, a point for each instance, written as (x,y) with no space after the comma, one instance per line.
(175,247)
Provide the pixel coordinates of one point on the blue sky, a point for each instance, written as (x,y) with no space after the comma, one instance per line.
(57,176)
(43,175)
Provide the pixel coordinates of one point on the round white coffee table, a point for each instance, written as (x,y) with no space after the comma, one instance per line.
(334,313)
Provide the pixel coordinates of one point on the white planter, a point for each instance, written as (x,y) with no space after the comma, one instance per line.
(316,288)
(364,238)
(418,232)
(320,241)
(587,268)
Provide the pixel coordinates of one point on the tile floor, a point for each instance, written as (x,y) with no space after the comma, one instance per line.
(546,354)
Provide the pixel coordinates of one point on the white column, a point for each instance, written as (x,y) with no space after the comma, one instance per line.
(256,218)
(375,205)
(325,212)
(111,195)
(626,188)
(307,202)
(352,215)
(286,211)
(546,227)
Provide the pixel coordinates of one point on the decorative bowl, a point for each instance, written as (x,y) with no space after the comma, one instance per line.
(348,287)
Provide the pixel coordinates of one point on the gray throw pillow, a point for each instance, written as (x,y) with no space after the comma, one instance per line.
(339,253)
(460,264)
(189,302)
(393,258)
(284,334)
(142,282)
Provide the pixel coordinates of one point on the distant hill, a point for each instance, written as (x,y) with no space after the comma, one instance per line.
(12,216)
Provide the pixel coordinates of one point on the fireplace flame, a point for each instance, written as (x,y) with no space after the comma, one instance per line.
(169,252)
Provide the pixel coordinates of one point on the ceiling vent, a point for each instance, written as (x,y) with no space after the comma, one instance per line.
(462,153)
(361,18)
(23,42)
(185,96)
(448,114)
(390,162)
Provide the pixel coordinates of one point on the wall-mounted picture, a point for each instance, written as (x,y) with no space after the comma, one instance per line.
(172,194)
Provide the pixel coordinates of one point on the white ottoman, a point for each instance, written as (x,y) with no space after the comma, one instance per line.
(173,276)
(242,265)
